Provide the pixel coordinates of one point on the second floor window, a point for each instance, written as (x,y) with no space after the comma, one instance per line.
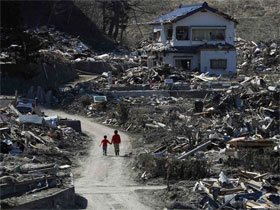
(208,34)
(182,33)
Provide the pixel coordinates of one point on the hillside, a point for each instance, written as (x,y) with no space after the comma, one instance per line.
(259,20)
(63,15)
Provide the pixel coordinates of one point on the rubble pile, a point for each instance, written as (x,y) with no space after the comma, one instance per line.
(161,77)
(222,116)
(157,166)
(78,99)
(264,57)
(41,45)
(245,190)
(36,151)
(223,125)
(140,75)
(230,113)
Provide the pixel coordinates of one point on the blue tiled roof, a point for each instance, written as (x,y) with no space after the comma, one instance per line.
(185,11)
(177,13)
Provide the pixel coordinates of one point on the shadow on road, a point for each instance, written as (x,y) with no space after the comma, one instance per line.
(80,202)
(117,156)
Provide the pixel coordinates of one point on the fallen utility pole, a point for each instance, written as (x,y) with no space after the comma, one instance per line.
(201,147)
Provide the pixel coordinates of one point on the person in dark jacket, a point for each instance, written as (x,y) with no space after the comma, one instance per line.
(116,140)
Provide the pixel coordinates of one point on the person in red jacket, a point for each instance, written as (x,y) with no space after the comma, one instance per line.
(116,140)
(104,143)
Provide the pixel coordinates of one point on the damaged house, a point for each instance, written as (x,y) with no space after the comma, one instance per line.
(195,37)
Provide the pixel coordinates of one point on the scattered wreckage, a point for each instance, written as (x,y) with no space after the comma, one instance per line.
(228,129)
(232,127)
(37,154)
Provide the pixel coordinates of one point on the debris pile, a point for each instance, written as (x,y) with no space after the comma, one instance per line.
(264,57)
(247,190)
(156,75)
(219,129)
(41,45)
(37,154)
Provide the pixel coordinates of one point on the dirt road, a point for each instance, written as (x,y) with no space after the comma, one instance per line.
(105,181)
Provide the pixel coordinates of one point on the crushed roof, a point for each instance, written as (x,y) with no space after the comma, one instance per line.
(185,11)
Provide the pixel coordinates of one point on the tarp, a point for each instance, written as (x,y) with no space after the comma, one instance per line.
(33,119)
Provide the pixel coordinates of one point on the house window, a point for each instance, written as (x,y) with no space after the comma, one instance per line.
(218,64)
(156,36)
(183,64)
(182,33)
(208,34)
(169,33)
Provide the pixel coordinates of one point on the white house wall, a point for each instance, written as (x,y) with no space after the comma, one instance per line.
(204,19)
(170,58)
(206,56)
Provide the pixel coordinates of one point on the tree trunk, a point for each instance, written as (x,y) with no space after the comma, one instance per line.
(112,24)
(52,12)
(117,18)
(103,14)
(122,30)
(124,21)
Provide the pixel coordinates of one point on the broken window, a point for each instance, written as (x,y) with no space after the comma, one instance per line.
(218,64)
(183,64)
(182,33)
(169,33)
(208,34)
(156,36)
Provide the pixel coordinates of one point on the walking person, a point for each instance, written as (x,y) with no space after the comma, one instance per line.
(116,140)
(104,143)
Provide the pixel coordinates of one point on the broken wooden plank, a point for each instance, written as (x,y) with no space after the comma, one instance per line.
(225,191)
(15,110)
(148,125)
(255,185)
(260,176)
(159,149)
(51,170)
(206,190)
(246,174)
(252,204)
(201,147)
(4,130)
(36,137)
(243,186)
